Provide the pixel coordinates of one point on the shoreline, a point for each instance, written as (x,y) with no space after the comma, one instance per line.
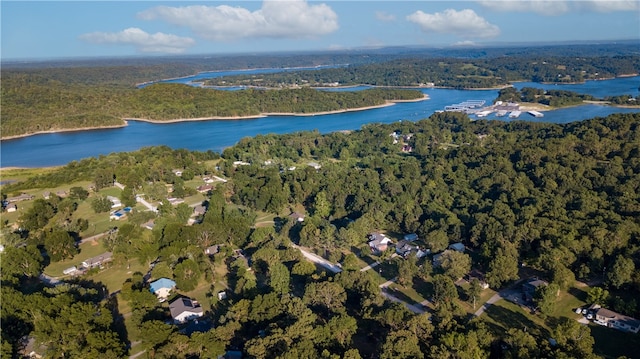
(13,137)
(219,118)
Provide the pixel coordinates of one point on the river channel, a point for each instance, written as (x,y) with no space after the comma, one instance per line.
(54,149)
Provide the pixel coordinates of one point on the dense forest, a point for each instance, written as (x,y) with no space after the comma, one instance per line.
(562,201)
(71,94)
(451,72)
(33,103)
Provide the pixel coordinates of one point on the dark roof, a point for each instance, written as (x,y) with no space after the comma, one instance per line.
(183,304)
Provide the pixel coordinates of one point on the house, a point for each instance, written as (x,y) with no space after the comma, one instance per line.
(404,248)
(617,321)
(476,274)
(70,270)
(177,172)
(184,309)
(437,258)
(457,247)
(98,260)
(115,201)
(204,188)
(222,295)
(149,224)
(212,250)
(46,194)
(21,197)
(199,210)
(378,242)
(315,165)
(407,148)
(175,201)
(240,163)
(297,216)
(410,237)
(207,180)
(62,194)
(12,207)
(162,287)
(530,286)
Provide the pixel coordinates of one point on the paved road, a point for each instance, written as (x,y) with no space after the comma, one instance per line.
(146,204)
(411,307)
(507,292)
(375,264)
(318,260)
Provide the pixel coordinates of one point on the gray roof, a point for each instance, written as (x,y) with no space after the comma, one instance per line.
(184,304)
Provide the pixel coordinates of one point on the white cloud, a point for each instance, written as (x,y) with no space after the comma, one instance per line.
(464,43)
(544,7)
(385,17)
(143,41)
(465,23)
(276,19)
(559,7)
(608,5)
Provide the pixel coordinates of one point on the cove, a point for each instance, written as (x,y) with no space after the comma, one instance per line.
(60,148)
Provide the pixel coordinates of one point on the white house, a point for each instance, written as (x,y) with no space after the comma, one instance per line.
(162,287)
(115,201)
(184,309)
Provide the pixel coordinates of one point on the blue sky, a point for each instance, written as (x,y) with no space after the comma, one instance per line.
(55,29)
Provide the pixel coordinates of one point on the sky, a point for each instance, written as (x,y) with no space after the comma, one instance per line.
(70,29)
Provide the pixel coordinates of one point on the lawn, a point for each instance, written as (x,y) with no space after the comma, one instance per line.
(265,219)
(117,273)
(503,315)
(87,250)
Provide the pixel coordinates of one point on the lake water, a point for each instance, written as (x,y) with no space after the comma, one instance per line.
(61,148)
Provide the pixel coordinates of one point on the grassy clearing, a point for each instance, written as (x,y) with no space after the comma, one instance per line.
(87,250)
(21,174)
(117,273)
(264,219)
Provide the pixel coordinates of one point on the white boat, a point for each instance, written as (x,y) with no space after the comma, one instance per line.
(483,113)
(515,114)
(535,113)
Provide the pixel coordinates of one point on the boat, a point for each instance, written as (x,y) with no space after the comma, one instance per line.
(535,113)
(501,113)
(515,114)
(483,113)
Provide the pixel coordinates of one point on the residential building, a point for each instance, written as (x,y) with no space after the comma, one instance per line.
(410,237)
(457,247)
(98,260)
(378,242)
(162,287)
(204,188)
(617,321)
(184,309)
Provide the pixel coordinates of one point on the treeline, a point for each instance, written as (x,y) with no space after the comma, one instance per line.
(452,72)
(554,98)
(33,103)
